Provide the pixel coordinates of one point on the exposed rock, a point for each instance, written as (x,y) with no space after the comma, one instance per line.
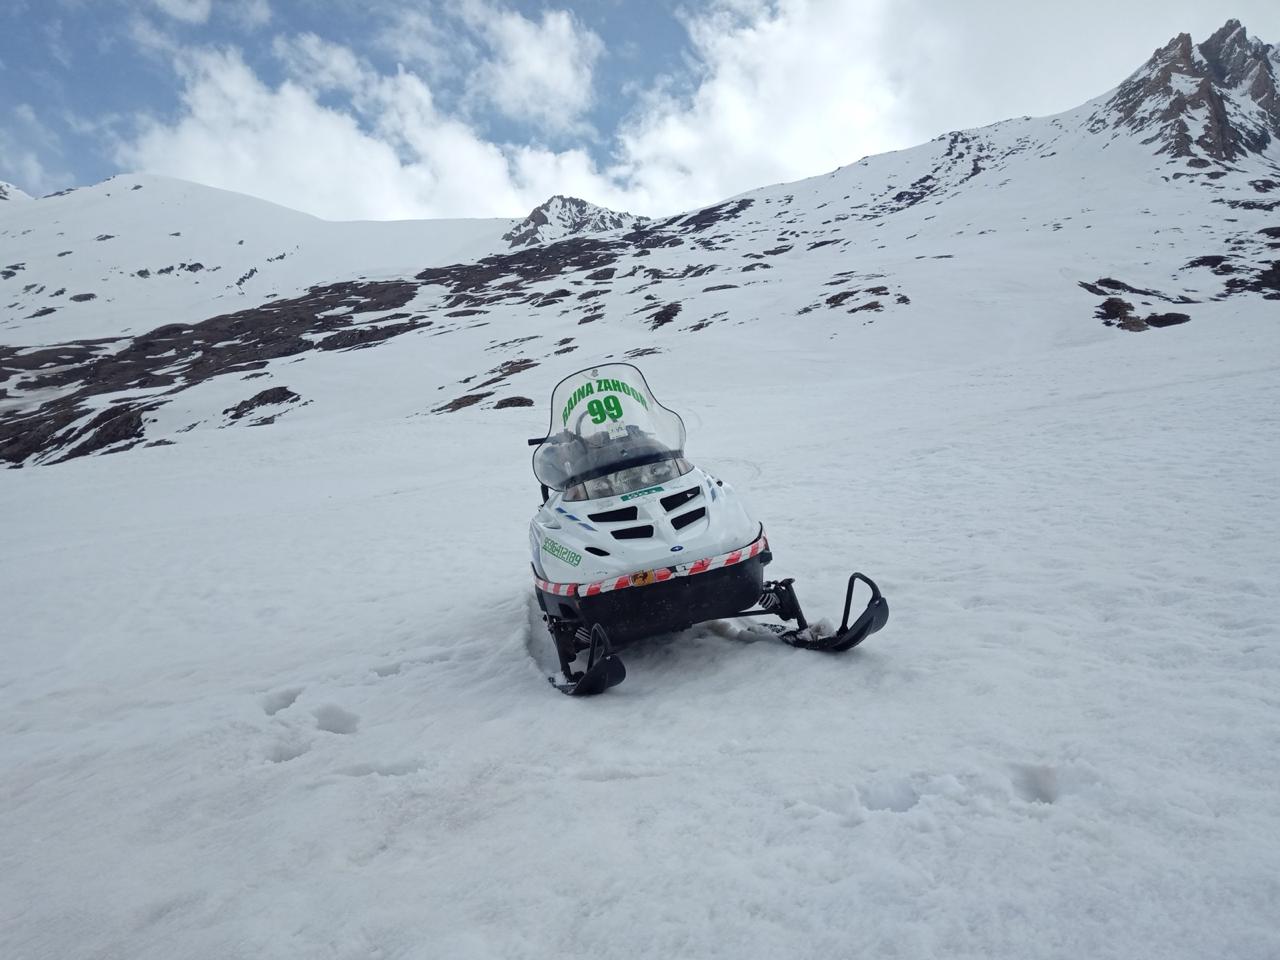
(506,402)
(1216,101)
(561,217)
(1114,312)
(462,402)
(664,315)
(177,356)
(508,368)
(271,397)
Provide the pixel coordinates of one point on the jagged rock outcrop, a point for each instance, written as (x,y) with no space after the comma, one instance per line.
(561,217)
(1211,102)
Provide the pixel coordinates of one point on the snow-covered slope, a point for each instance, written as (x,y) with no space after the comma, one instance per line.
(9,192)
(137,251)
(281,691)
(1068,222)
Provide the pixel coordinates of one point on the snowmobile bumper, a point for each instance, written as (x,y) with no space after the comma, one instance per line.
(652,607)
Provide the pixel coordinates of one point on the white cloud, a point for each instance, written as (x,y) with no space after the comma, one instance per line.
(251,14)
(541,72)
(319,65)
(788,89)
(391,155)
(189,11)
(416,38)
(31,154)
(782,90)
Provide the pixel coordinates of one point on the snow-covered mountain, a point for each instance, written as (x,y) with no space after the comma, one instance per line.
(9,192)
(274,682)
(562,217)
(1149,206)
(1210,104)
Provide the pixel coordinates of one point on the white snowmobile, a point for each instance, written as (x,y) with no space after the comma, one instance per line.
(632,540)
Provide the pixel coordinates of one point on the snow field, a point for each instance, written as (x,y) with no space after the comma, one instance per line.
(290,698)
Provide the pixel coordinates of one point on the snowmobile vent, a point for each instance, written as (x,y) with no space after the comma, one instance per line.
(633,533)
(677,500)
(598,552)
(685,519)
(614,516)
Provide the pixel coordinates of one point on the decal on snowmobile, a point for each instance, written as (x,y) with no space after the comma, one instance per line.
(659,575)
(640,493)
(559,550)
(559,589)
(612,410)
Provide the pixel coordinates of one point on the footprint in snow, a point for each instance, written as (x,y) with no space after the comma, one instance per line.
(279,700)
(282,751)
(333,719)
(1035,783)
(894,796)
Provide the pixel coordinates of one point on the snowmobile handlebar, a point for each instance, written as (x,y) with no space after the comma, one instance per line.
(535,441)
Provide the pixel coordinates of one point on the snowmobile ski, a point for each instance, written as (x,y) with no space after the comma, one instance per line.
(804,637)
(604,669)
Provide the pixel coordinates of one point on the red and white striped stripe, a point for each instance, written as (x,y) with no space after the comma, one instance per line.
(659,575)
(559,589)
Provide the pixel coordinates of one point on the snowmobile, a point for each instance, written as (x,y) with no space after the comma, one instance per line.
(632,540)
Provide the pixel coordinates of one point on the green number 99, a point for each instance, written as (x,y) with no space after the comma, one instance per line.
(608,409)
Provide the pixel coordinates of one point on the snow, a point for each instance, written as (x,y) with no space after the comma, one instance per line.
(9,192)
(133,240)
(280,691)
(1184,84)
(290,699)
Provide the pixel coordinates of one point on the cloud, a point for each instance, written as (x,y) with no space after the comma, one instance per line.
(775,91)
(188,11)
(416,38)
(388,153)
(786,90)
(251,14)
(540,72)
(31,155)
(319,65)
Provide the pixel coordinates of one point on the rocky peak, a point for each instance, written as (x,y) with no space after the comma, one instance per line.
(561,217)
(1238,60)
(1209,102)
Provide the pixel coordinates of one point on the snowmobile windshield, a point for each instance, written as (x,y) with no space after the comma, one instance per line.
(609,435)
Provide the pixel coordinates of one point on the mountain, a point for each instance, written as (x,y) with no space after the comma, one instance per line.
(1150,206)
(1210,104)
(9,192)
(561,217)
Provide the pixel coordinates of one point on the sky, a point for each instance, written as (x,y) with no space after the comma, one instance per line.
(393,109)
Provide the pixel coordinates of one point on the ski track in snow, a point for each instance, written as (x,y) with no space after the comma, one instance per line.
(291,698)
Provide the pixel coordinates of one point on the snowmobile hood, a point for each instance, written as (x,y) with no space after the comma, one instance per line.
(606,423)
